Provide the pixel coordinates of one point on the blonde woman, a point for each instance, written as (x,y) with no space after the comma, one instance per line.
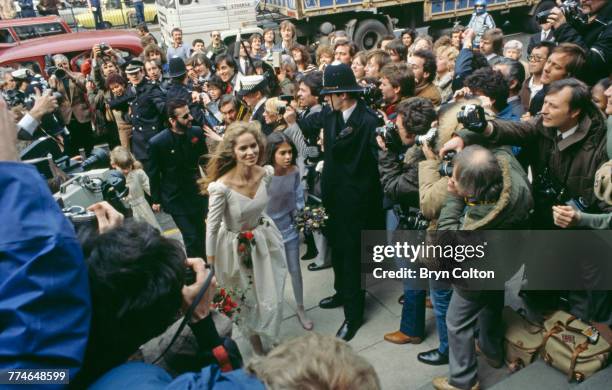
(272,116)
(445,70)
(242,242)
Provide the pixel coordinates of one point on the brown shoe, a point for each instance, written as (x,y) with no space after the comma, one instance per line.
(491,362)
(428,303)
(401,338)
(441,383)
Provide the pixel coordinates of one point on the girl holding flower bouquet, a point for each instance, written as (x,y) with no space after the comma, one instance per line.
(286,198)
(242,242)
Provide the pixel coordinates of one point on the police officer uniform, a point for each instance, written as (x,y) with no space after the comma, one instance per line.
(177,90)
(147,113)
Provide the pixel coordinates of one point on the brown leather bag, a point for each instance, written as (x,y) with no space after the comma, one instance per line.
(566,347)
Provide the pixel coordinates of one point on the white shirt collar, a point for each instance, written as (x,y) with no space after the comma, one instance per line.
(534,88)
(512,98)
(346,114)
(566,134)
(544,34)
(491,56)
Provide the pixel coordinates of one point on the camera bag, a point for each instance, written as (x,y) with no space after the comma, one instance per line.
(522,340)
(568,349)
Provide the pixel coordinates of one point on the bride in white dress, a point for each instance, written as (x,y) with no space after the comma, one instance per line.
(238,195)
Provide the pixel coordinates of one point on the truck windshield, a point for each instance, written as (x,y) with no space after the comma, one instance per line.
(166,3)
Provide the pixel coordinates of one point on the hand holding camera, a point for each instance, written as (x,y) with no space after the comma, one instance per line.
(472,117)
(190,292)
(45,103)
(290,115)
(108,218)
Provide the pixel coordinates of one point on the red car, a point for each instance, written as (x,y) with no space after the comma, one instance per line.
(14,32)
(36,54)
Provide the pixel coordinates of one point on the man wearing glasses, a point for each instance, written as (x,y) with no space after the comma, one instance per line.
(174,156)
(537,59)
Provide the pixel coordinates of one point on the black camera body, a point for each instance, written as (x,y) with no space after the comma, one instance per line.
(390,135)
(59,73)
(571,11)
(373,97)
(286,98)
(190,276)
(446,167)
(550,192)
(412,220)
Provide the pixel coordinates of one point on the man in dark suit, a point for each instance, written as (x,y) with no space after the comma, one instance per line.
(350,185)
(546,34)
(174,155)
(253,92)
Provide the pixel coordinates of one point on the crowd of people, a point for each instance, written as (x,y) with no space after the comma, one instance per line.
(235,141)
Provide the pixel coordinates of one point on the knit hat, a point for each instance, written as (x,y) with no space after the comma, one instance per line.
(603,183)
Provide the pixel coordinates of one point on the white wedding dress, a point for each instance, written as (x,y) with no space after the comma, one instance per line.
(229,213)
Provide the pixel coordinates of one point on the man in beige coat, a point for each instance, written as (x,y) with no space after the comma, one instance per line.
(74,107)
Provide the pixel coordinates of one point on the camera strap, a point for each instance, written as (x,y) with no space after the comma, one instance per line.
(189,313)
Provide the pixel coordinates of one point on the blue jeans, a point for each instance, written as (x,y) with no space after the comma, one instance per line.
(413,313)
(139,6)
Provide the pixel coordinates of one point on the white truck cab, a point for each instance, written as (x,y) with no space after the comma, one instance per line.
(197,18)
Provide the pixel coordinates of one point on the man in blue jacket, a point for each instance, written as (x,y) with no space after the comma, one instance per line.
(44,292)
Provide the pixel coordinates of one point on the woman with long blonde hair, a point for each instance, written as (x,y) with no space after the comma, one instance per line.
(242,242)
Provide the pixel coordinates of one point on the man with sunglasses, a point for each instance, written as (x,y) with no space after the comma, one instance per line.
(174,156)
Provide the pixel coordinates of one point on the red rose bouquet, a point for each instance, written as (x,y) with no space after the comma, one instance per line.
(246,242)
(225,301)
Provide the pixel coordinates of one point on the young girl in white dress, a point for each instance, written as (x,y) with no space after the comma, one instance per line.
(286,198)
(138,184)
(242,242)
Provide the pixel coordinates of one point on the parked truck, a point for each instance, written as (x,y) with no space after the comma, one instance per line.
(365,21)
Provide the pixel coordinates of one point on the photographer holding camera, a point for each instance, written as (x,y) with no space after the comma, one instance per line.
(400,181)
(74,107)
(564,146)
(488,190)
(42,264)
(589,27)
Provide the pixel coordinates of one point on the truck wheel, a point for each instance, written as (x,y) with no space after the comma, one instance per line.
(368,33)
(107,25)
(530,24)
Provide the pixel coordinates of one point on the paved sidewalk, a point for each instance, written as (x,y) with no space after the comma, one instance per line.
(396,365)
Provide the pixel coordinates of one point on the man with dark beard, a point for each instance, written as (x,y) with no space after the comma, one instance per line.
(174,155)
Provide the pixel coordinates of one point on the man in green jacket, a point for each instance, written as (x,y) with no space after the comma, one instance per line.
(487,191)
